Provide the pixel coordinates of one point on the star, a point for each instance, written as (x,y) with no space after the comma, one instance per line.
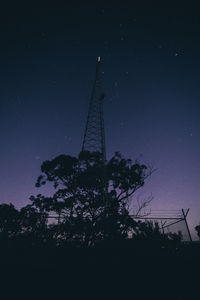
(179,52)
(68,138)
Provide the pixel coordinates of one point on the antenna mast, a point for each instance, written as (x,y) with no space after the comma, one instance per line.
(94,135)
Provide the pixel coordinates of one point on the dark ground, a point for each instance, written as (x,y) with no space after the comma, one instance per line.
(105,273)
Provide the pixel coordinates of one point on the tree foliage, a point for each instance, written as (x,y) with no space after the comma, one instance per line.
(90,206)
(91,197)
(197,228)
(9,221)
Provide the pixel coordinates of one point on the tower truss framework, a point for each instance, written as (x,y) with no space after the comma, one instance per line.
(94,134)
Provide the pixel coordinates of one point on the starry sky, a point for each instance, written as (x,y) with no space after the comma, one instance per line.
(150,75)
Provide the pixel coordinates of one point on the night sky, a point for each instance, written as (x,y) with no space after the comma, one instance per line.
(150,76)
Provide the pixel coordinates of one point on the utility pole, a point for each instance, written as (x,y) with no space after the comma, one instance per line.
(186,223)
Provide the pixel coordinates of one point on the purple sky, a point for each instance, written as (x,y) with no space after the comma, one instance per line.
(150,78)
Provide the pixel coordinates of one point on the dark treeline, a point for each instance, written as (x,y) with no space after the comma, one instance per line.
(93,222)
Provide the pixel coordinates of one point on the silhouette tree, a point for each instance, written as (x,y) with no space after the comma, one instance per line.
(197,228)
(19,227)
(33,225)
(9,221)
(91,196)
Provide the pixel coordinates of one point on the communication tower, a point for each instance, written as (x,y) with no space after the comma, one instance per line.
(94,134)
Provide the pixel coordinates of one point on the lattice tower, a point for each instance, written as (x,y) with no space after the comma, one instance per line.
(94,135)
